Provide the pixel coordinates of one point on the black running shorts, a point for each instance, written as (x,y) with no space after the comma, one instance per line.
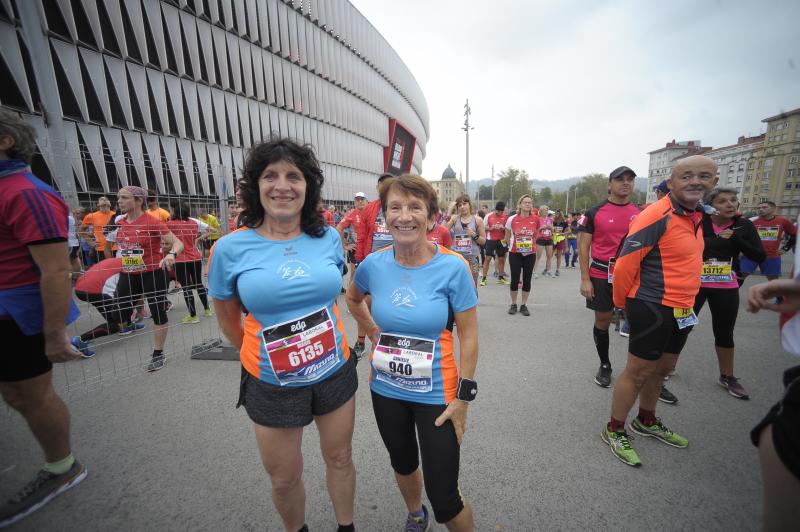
(603,296)
(495,248)
(284,407)
(654,330)
(25,357)
(784,417)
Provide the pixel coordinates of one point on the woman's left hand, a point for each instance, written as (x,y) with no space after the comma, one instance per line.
(456,412)
(167,262)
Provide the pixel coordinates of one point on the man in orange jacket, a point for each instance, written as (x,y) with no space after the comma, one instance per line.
(656,278)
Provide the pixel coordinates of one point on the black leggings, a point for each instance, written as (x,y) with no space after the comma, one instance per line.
(108,307)
(517,262)
(190,275)
(151,285)
(438,445)
(724,305)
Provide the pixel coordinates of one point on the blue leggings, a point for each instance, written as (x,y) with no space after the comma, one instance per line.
(572,247)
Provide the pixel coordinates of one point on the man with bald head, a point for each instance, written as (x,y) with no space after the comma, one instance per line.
(656,279)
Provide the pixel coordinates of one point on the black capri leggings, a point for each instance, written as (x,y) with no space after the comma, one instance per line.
(519,262)
(190,275)
(439,447)
(724,305)
(151,285)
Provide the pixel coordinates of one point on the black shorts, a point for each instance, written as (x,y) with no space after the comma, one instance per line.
(603,296)
(25,358)
(73,252)
(784,417)
(495,247)
(543,242)
(351,258)
(207,243)
(284,407)
(654,330)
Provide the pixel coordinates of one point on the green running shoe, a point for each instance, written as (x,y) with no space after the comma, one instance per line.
(621,446)
(659,431)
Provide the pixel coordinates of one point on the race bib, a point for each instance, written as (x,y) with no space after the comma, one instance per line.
(546,232)
(462,244)
(715,271)
(302,350)
(768,234)
(133,260)
(685,317)
(405,362)
(524,244)
(558,229)
(611,270)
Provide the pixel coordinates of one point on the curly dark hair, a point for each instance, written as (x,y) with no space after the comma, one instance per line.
(302,156)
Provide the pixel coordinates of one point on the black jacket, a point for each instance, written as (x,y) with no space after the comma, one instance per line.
(745,240)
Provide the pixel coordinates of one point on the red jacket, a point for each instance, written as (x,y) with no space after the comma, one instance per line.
(365,228)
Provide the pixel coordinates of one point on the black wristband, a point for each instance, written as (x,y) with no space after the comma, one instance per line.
(467,389)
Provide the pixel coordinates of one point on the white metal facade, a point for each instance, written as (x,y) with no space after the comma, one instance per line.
(170,94)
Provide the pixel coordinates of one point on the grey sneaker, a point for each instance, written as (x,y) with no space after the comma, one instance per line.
(418,524)
(734,387)
(557,274)
(512,309)
(38,492)
(156,364)
(603,377)
(523,309)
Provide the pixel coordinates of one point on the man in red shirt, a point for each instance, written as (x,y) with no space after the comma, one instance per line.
(327,214)
(35,307)
(352,220)
(772,230)
(495,248)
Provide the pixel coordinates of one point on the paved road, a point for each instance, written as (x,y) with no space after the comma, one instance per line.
(168,451)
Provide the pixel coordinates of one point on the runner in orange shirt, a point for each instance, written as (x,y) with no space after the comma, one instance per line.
(98,220)
(656,279)
(153,209)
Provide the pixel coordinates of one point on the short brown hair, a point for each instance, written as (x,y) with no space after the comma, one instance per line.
(410,185)
(464,198)
(24,136)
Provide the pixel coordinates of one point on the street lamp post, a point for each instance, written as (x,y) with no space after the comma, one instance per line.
(467,127)
(492,185)
(511,196)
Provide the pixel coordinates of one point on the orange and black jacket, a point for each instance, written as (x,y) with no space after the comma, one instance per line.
(662,257)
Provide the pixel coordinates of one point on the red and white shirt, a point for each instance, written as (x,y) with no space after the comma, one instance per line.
(440,235)
(496,226)
(187,232)
(139,243)
(523,233)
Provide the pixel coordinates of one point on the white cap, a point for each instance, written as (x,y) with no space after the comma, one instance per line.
(361,195)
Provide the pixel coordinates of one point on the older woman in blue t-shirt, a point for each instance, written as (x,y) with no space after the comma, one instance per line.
(419,291)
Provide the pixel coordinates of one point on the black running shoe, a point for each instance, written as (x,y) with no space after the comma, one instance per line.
(512,309)
(667,396)
(603,377)
(523,309)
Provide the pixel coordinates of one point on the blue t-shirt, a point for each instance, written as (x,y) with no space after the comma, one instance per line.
(293,335)
(414,308)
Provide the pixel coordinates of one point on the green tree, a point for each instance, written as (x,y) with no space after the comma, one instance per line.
(512,184)
(545,195)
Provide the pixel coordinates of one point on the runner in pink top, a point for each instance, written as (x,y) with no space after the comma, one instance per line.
(189,264)
(521,231)
(601,232)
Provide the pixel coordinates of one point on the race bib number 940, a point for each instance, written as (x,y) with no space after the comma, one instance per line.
(302,350)
(404,362)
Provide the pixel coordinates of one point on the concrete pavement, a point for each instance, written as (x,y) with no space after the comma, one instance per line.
(168,451)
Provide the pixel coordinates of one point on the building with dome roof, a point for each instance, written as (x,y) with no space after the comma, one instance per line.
(449,187)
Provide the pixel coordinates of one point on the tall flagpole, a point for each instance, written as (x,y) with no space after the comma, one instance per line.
(467,127)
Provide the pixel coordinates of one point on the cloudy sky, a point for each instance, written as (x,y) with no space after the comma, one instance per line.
(565,88)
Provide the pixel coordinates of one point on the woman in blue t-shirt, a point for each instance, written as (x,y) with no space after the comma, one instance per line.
(284,266)
(419,290)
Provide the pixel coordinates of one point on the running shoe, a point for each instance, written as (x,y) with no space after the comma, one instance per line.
(603,377)
(734,387)
(503,280)
(557,274)
(157,363)
(545,273)
(659,431)
(512,309)
(208,313)
(169,305)
(418,524)
(535,275)
(483,281)
(621,446)
(186,320)
(133,327)
(667,396)
(523,309)
(82,346)
(38,492)
(625,329)
(359,349)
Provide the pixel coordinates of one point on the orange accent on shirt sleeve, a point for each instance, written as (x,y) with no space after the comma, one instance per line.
(250,353)
(449,368)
